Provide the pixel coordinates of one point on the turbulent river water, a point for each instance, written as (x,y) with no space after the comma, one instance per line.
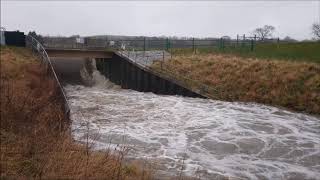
(198,137)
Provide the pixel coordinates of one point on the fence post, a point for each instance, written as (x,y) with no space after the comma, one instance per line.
(237,39)
(222,43)
(162,55)
(167,44)
(243,40)
(144,44)
(193,47)
(161,62)
(252,44)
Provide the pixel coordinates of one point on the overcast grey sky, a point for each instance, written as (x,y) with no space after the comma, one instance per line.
(171,18)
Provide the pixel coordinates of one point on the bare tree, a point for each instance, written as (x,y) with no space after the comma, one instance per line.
(264,32)
(316,30)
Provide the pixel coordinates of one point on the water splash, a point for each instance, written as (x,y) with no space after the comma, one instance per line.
(92,77)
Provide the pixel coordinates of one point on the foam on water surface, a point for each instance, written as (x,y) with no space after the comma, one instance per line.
(244,140)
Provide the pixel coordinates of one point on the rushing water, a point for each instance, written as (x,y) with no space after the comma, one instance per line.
(208,138)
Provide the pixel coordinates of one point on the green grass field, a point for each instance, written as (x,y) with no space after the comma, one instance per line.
(300,51)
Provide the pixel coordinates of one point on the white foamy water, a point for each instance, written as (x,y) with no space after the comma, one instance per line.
(208,138)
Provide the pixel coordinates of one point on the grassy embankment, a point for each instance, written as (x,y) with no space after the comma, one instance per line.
(285,76)
(35,139)
(300,51)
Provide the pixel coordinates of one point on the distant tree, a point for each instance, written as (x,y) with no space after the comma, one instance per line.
(289,39)
(264,32)
(32,33)
(316,30)
(226,37)
(37,36)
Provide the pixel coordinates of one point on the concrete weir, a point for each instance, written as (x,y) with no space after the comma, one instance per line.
(119,69)
(122,71)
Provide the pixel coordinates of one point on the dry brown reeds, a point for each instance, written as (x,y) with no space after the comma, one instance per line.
(35,137)
(289,84)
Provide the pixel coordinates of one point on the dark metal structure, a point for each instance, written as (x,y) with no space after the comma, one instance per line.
(15,38)
(122,71)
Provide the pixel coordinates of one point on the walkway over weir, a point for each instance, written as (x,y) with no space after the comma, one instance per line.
(79,53)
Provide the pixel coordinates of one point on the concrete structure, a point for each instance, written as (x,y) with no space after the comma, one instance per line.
(79,53)
(12,38)
(118,69)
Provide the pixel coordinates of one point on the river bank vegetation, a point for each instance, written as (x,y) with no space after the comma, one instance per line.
(284,83)
(35,137)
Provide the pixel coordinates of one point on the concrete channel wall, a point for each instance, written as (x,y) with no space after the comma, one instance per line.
(128,75)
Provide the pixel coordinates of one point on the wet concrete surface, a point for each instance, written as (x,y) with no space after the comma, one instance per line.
(68,69)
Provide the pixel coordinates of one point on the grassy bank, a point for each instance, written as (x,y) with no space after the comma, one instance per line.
(35,138)
(299,51)
(291,84)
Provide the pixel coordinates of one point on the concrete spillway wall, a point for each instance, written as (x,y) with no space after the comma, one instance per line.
(129,75)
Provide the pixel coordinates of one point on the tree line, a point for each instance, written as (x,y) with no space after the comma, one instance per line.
(260,33)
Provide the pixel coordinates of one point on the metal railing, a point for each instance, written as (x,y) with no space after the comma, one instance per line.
(39,50)
(152,43)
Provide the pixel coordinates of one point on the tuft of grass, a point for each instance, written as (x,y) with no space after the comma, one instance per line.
(290,84)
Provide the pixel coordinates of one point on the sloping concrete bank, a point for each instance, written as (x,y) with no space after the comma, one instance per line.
(123,71)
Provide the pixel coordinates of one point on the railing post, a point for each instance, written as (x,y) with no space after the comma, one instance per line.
(252,44)
(162,55)
(144,44)
(222,43)
(243,40)
(237,40)
(193,47)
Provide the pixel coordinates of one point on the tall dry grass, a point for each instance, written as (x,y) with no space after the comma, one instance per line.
(35,136)
(293,85)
